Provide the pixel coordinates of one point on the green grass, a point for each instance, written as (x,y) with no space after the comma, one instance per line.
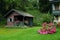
(27,34)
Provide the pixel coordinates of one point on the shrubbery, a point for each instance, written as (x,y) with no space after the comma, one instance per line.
(39,17)
(2,22)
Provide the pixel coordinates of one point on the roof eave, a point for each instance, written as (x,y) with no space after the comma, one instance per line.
(54,1)
(18,13)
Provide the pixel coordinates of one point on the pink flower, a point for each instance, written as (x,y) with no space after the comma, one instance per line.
(44,24)
(50,24)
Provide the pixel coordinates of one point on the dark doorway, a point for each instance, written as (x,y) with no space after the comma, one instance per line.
(18,20)
(19,17)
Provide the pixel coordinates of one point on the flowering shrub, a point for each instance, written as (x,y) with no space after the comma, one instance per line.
(50,30)
(44,24)
(50,24)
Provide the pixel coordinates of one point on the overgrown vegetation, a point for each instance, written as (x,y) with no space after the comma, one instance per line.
(30,6)
(44,6)
(39,17)
(24,5)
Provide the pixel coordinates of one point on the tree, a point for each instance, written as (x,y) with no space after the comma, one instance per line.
(2,6)
(6,5)
(44,5)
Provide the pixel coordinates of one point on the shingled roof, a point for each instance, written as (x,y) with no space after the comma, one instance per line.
(19,12)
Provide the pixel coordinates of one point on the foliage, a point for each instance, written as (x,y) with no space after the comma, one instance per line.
(39,17)
(23,5)
(47,18)
(44,6)
(2,22)
(30,6)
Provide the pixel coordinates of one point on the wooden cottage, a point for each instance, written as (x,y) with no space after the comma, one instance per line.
(16,18)
(55,10)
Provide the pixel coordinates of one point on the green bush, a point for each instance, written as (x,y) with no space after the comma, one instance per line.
(2,22)
(47,18)
(39,17)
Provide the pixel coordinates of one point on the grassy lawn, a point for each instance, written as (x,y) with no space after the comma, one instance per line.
(26,34)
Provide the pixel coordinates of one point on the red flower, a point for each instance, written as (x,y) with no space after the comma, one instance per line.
(50,24)
(44,24)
